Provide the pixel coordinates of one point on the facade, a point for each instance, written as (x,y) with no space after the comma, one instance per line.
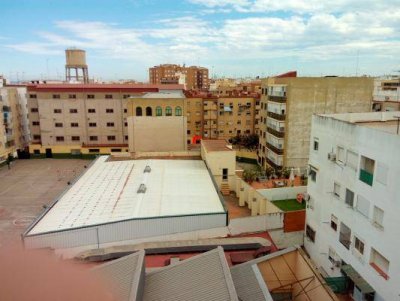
(386,93)
(353,211)
(89,119)
(287,104)
(117,201)
(235,87)
(222,117)
(195,77)
(14,127)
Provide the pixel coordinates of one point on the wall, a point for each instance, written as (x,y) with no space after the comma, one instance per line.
(283,193)
(125,230)
(294,221)
(257,223)
(158,134)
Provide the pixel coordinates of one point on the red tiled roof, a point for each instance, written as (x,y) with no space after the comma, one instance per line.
(102,87)
(287,74)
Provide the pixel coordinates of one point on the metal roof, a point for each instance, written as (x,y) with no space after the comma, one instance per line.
(107,192)
(124,276)
(200,278)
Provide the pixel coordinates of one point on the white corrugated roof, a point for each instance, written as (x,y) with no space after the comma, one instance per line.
(107,192)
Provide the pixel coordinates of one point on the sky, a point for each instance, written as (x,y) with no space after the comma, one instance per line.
(233,38)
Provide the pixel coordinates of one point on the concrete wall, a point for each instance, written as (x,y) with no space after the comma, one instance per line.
(158,134)
(275,194)
(257,223)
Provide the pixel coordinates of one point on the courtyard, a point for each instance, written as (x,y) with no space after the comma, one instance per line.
(29,186)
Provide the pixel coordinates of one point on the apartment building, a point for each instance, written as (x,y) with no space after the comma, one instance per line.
(14,127)
(235,87)
(353,210)
(287,104)
(193,77)
(88,118)
(221,117)
(386,93)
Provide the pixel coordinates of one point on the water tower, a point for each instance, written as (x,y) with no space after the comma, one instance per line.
(75,67)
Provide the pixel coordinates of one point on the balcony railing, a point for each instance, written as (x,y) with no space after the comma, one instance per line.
(366,177)
(280,99)
(275,132)
(273,164)
(275,149)
(276,116)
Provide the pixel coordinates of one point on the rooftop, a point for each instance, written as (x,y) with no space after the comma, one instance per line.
(112,191)
(216,145)
(382,121)
(65,87)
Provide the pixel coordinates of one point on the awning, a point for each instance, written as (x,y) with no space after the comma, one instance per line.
(359,281)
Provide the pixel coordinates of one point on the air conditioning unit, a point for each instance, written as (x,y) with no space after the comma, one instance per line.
(332,156)
(254,199)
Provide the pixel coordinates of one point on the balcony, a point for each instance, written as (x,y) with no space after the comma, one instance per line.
(280,99)
(210,116)
(273,164)
(366,177)
(276,116)
(275,149)
(279,134)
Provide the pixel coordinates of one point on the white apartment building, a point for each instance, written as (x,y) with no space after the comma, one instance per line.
(386,95)
(353,213)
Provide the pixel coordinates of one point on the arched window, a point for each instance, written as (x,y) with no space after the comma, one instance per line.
(168,111)
(158,111)
(139,111)
(178,111)
(149,111)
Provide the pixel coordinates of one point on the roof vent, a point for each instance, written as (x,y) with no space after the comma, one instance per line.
(147,169)
(142,188)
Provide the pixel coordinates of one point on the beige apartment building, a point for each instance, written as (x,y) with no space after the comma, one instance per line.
(81,119)
(222,117)
(287,105)
(193,77)
(14,128)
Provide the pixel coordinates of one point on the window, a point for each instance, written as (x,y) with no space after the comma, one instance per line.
(313,173)
(382,173)
(36,151)
(111,138)
(58,125)
(115,150)
(149,111)
(57,111)
(352,160)
(310,233)
(168,111)
(94,150)
(316,144)
(108,96)
(125,110)
(340,154)
(336,189)
(92,124)
(75,138)
(34,110)
(379,263)
(126,96)
(126,137)
(90,96)
(59,138)
(109,110)
(73,111)
(33,96)
(56,96)
(72,96)
(125,124)
(178,111)
(110,124)
(367,167)
(91,110)
(93,138)
(345,235)
(158,111)
(349,200)
(378,217)
(362,205)
(188,132)
(139,111)
(358,245)
(74,124)
(36,137)
(332,255)
(36,123)
(334,222)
